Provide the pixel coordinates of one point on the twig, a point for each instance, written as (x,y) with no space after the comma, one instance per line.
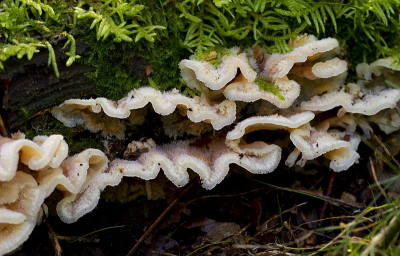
(331,200)
(163,253)
(3,129)
(70,239)
(328,193)
(276,252)
(334,218)
(243,229)
(264,227)
(221,196)
(158,220)
(356,230)
(274,247)
(332,241)
(53,237)
(315,233)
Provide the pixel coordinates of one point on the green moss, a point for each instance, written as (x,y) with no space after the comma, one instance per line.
(119,68)
(213,55)
(118,31)
(268,86)
(162,32)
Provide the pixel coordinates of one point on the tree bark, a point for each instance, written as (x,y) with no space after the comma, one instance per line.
(34,87)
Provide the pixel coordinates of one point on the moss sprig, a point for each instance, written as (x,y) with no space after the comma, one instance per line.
(118,18)
(371,27)
(268,86)
(367,29)
(213,55)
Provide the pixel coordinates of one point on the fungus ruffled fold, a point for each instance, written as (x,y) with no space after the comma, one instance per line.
(21,197)
(305,49)
(77,111)
(211,163)
(41,153)
(22,194)
(271,83)
(309,78)
(85,175)
(359,97)
(18,215)
(329,68)
(339,147)
(272,122)
(379,67)
(75,177)
(243,90)
(360,101)
(388,121)
(343,158)
(201,74)
(313,143)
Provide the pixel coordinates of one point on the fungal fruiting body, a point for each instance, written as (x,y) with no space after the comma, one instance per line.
(242,93)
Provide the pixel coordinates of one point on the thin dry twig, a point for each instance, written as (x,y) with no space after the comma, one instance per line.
(78,238)
(53,237)
(243,229)
(163,253)
(356,230)
(275,253)
(334,201)
(264,226)
(3,129)
(158,220)
(223,196)
(328,193)
(274,247)
(333,218)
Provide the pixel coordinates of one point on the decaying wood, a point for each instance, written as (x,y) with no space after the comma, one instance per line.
(34,87)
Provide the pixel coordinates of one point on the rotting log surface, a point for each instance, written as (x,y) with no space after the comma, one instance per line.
(34,86)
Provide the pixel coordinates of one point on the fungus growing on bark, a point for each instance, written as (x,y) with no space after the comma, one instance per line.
(339,147)
(197,109)
(212,164)
(358,97)
(235,141)
(311,71)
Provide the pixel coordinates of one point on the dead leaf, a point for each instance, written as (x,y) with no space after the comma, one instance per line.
(348,198)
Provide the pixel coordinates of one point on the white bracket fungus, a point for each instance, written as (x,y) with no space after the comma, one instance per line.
(243,90)
(41,153)
(279,65)
(18,215)
(362,102)
(77,111)
(377,68)
(388,121)
(312,65)
(211,163)
(339,147)
(199,74)
(273,122)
